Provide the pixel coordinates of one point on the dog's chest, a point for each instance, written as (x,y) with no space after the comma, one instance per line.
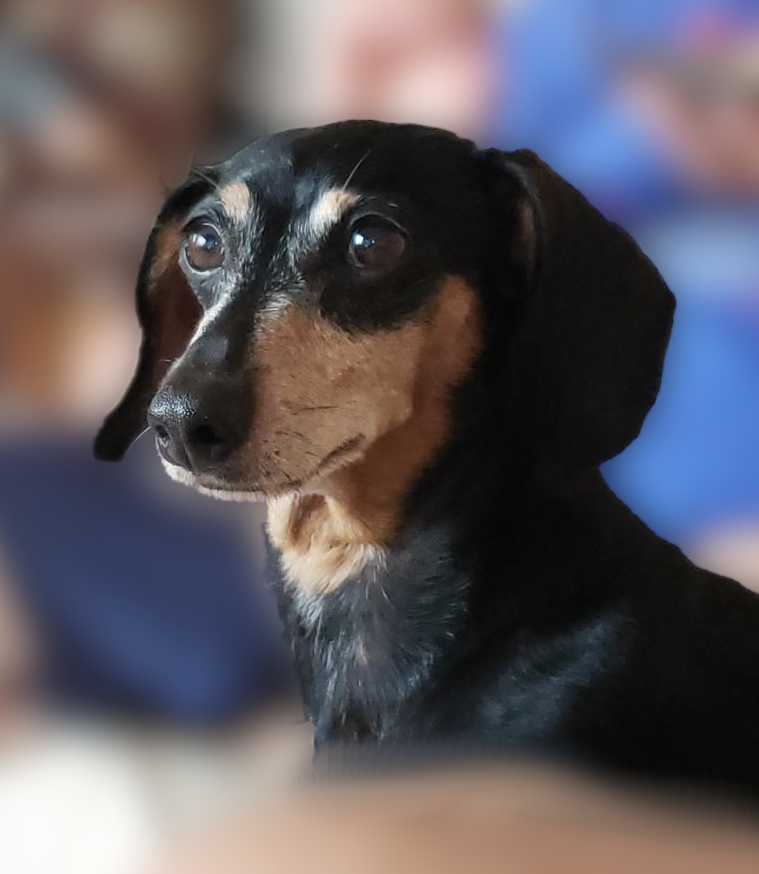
(365,649)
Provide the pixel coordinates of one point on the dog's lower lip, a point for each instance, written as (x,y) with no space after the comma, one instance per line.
(289,486)
(213,485)
(251,490)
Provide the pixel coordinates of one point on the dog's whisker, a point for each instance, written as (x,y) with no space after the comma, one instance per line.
(296,434)
(296,411)
(354,171)
(142,434)
(198,172)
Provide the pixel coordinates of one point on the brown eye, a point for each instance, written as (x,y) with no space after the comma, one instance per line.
(204,248)
(376,247)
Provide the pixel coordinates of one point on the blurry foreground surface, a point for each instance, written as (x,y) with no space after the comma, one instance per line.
(103,799)
(119,802)
(511,819)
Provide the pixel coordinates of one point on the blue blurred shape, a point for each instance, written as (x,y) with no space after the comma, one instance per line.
(145,594)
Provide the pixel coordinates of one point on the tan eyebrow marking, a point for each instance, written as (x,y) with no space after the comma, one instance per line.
(328,210)
(237,201)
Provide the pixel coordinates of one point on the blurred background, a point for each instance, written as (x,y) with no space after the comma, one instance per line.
(124,597)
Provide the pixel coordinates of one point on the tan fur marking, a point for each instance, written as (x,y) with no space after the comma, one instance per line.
(329,209)
(393,388)
(166,248)
(237,201)
(175,311)
(321,549)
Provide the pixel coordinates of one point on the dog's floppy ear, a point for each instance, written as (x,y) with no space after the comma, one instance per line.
(168,314)
(593,331)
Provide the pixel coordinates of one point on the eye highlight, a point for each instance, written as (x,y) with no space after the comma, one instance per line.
(203,247)
(376,246)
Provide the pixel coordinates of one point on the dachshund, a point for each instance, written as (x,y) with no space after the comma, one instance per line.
(418,354)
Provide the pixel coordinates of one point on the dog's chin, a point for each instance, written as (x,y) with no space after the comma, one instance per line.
(340,458)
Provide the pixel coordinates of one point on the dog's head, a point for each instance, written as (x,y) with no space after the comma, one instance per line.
(323,292)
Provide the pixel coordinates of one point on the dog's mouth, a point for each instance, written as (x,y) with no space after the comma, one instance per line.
(242,490)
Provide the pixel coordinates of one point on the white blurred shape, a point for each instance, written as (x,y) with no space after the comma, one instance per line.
(72,805)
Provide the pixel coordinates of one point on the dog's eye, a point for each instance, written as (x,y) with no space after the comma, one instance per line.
(204,248)
(375,247)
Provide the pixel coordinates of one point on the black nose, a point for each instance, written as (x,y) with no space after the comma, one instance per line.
(194,432)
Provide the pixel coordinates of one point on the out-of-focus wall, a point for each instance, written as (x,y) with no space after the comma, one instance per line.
(424,61)
(103,106)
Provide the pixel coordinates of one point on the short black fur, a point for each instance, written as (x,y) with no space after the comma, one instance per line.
(521,603)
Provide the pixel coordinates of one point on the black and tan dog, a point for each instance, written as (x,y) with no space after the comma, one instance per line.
(419,353)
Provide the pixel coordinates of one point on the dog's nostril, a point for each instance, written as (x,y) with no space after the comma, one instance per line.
(161,433)
(207,435)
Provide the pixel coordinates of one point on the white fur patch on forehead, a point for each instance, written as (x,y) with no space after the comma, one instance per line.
(237,202)
(328,211)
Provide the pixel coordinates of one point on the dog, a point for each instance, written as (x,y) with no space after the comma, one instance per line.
(419,353)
